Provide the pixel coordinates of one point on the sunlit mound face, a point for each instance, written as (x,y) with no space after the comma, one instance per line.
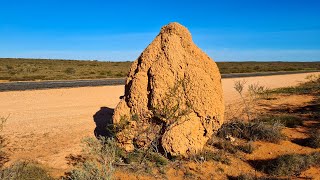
(176,86)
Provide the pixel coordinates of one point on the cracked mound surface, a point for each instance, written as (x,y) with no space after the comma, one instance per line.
(176,84)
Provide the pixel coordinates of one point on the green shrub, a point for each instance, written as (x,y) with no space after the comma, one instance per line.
(70,70)
(134,156)
(258,91)
(252,131)
(239,86)
(100,158)
(157,158)
(284,119)
(208,155)
(247,148)
(139,156)
(314,140)
(291,164)
(171,111)
(25,171)
(3,154)
(225,145)
(188,175)
(109,73)
(9,67)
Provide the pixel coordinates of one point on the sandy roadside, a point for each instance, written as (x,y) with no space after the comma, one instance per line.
(48,125)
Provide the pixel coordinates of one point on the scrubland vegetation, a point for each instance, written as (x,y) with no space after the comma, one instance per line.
(234,139)
(44,69)
(237,140)
(30,69)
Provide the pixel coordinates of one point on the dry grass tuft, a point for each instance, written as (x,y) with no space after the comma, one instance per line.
(252,131)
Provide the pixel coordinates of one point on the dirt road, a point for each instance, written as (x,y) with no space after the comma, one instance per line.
(48,125)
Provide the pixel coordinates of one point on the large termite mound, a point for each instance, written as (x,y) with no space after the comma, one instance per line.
(173,97)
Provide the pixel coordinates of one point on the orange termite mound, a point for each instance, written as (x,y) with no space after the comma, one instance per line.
(173,97)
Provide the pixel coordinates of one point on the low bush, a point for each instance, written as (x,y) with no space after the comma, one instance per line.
(3,154)
(314,140)
(188,175)
(101,156)
(208,155)
(290,164)
(246,148)
(99,162)
(140,156)
(284,119)
(25,171)
(225,145)
(69,70)
(252,131)
(258,91)
(157,158)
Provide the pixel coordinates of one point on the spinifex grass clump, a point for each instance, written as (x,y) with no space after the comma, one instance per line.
(3,154)
(314,140)
(140,157)
(225,145)
(284,119)
(100,156)
(247,147)
(228,146)
(23,171)
(209,155)
(290,164)
(252,131)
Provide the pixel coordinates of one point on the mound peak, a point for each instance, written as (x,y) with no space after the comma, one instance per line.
(176,29)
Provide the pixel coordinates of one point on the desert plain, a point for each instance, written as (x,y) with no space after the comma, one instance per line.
(47,126)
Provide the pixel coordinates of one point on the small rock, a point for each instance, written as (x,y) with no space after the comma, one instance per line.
(230,138)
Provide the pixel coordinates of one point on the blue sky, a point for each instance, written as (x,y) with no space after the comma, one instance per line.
(229,30)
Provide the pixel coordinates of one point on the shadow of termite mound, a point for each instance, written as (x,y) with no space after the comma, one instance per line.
(103,120)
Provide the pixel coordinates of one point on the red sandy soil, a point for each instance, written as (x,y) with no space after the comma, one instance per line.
(47,125)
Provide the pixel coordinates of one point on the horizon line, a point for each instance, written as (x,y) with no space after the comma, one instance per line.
(100,60)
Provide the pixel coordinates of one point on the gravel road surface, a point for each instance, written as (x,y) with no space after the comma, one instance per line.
(30,85)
